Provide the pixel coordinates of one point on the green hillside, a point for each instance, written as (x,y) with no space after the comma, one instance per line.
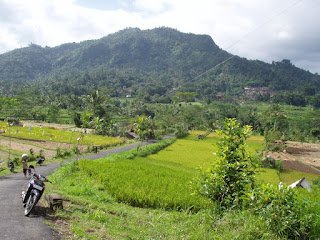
(157,61)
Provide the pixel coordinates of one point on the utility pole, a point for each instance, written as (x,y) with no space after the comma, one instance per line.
(9,142)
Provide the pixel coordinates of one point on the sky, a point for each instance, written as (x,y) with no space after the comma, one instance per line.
(267,30)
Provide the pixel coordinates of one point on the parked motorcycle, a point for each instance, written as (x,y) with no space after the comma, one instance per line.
(34,191)
(11,166)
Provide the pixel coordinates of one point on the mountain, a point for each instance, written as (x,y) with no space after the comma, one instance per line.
(161,58)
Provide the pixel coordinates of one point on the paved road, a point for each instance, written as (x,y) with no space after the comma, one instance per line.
(13,224)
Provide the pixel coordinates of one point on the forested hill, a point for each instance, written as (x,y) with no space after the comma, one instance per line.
(162,58)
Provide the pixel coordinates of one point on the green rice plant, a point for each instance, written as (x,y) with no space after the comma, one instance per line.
(97,216)
(143,184)
(160,180)
(101,193)
(48,134)
(268,176)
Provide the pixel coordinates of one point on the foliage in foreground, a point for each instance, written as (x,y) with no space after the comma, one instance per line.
(94,214)
(288,213)
(227,181)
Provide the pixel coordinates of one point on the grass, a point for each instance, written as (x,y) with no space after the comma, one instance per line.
(289,176)
(95,214)
(150,197)
(268,176)
(159,180)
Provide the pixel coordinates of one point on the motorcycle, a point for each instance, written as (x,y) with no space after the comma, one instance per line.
(11,166)
(40,160)
(34,191)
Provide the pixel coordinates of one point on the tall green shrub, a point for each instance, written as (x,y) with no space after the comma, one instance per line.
(229,177)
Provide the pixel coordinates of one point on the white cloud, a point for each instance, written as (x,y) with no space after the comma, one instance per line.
(256,29)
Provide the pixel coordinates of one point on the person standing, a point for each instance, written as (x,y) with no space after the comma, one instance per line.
(25,158)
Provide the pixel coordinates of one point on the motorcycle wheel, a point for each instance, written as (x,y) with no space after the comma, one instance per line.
(31,203)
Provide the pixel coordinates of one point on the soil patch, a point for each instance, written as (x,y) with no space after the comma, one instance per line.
(300,167)
(302,157)
(308,153)
(64,127)
(49,148)
(295,151)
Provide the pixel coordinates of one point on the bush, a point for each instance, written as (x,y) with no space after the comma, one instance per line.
(40,154)
(229,177)
(279,166)
(58,153)
(16,161)
(316,182)
(66,153)
(32,156)
(75,149)
(180,131)
(286,212)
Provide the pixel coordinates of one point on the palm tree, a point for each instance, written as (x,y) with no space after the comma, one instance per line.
(96,99)
(144,126)
(275,113)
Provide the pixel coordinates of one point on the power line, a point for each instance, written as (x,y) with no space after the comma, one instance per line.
(293,3)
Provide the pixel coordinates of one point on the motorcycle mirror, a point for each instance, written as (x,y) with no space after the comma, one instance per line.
(31,166)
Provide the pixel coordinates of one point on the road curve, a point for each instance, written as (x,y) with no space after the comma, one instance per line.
(13,224)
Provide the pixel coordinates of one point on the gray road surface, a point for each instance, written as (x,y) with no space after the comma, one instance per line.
(13,224)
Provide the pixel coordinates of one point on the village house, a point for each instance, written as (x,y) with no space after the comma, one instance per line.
(253,92)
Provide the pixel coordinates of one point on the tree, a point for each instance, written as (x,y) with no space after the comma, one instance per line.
(276,114)
(144,126)
(230,176)
(77,119)
(53,112)
(96,100)
(315,132)
(316,102)
(309,90)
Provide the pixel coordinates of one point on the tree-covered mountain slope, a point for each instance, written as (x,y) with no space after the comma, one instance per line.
(135,58)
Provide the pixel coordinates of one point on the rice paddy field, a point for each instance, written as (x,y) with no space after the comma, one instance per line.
(151,197)
(17,140)
(54,135)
